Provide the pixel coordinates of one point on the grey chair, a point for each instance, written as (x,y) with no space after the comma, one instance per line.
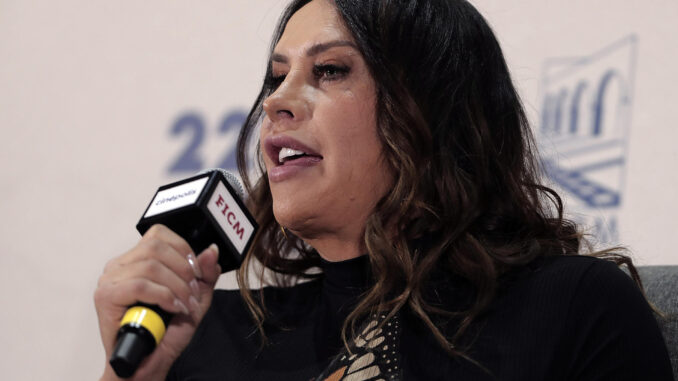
(661,288)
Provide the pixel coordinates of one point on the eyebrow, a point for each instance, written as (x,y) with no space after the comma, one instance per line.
(315,49)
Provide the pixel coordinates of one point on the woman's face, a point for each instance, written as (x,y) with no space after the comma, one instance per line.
(319,135)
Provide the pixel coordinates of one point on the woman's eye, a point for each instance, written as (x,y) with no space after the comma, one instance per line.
(330,72)
(275,81)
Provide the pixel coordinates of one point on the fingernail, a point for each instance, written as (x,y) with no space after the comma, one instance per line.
(215,248)
(193,261)
(195,288)
(195,306)
(178,304)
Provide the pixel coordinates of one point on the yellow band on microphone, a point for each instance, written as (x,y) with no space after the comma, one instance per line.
(147,318)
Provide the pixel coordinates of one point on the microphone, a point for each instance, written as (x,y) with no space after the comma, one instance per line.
(202,209)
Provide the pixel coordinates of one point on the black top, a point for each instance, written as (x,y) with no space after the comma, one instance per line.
(562,318)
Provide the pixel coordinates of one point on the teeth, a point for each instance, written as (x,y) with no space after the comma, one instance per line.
(287,152)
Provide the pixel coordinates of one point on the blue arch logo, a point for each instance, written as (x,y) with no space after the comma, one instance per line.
(585,117)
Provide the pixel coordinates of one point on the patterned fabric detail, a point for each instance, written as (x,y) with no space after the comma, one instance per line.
(374,356)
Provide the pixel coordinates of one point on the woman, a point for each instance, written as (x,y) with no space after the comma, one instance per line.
(397,158)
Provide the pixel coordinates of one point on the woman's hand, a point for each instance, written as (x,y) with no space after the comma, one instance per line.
(162,270)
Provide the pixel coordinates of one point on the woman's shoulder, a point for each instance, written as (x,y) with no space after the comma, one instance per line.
(572,265)
(592,289)
(595,312)
(574,298)
(574,317)
(573,285)
(576,274)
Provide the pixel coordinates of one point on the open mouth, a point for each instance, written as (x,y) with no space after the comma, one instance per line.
(284,150)
(289,154)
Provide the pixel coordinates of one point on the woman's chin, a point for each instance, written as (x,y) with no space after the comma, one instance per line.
(291,219)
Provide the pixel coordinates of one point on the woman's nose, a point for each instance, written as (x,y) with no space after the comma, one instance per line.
(289,102)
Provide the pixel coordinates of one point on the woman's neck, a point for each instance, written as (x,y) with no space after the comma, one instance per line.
(336,249)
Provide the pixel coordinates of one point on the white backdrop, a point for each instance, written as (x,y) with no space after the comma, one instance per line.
(90,92)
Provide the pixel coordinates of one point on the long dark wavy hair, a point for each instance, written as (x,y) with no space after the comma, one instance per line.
(467,195)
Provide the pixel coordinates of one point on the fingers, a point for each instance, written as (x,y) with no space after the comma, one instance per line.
(161,266)
(132,291)
(208,262)
(161,251)
(163,245)
(160,232)
(158,274)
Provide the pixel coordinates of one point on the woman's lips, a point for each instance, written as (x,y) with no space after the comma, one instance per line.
(288,168)
(273,145)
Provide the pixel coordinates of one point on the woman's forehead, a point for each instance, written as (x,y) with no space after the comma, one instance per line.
(315,24)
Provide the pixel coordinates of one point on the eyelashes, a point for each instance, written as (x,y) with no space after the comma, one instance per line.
(321,72)
(330,72)
(274,81)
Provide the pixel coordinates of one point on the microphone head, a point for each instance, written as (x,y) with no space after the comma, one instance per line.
(204,209)
(230,177)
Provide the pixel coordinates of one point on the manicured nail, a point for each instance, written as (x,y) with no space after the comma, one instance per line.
(195,288)
(178,304)
(215,248)
(195,306)
(193,261)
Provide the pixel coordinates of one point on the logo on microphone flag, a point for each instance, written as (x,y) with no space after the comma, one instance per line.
(228,215)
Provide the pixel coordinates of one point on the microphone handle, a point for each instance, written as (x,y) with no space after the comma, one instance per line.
(141,329)
(144,325)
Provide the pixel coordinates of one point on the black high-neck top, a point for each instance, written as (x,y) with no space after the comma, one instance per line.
(564,318)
